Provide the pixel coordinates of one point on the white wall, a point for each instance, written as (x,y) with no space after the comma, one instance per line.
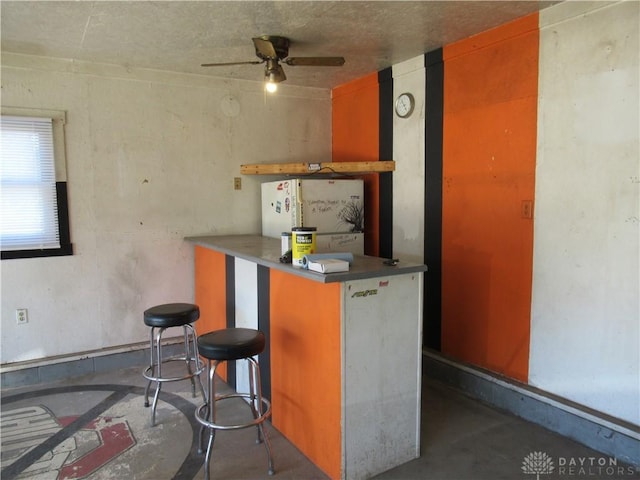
(585,334)
(408,153)
(151,158)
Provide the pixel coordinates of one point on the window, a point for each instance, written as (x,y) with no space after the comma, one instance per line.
(33,211)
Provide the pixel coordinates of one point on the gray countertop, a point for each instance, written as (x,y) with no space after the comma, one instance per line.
(266,251)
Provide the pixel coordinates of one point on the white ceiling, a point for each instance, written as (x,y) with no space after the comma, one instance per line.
(180,35)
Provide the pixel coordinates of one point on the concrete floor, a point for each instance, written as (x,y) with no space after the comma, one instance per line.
(97,427)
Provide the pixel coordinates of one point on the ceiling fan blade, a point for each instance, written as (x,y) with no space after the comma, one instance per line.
(315,61)
(264,48)
(254,62)
(279,74)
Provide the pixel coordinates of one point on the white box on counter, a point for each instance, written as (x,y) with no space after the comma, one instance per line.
(328,265)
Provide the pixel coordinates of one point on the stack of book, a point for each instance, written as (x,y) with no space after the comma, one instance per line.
(328,265)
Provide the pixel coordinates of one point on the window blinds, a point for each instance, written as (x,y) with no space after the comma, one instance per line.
(29,211)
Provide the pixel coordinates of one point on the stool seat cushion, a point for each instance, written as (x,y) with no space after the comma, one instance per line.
(171,315)
(231,343)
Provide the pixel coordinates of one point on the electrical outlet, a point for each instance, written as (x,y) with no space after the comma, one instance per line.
(527,209)
(237,183)
(21,316)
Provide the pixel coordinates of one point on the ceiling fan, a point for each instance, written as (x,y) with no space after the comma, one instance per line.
(272,50)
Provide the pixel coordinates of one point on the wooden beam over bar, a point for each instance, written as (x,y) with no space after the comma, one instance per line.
(325,167)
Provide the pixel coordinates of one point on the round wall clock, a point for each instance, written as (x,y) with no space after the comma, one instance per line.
(404,105)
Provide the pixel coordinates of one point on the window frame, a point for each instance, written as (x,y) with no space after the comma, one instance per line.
(58,121)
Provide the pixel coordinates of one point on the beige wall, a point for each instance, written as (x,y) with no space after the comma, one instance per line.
(585,331)
(151,158)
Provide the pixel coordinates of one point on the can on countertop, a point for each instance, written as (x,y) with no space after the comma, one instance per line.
(303,242)
(286,242)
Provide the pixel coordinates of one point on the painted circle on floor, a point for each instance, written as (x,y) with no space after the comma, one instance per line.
(43,433)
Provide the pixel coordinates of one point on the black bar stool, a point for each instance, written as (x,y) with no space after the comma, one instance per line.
(224,345)
(159,318)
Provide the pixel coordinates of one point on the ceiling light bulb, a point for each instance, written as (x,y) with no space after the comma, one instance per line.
(271,87)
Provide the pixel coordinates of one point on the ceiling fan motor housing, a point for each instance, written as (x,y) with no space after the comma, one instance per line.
(280,45)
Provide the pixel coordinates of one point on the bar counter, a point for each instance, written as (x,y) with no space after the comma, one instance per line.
(266,251)
(343,362)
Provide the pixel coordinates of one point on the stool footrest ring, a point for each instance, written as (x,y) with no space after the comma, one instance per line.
(200,367)
(200,416)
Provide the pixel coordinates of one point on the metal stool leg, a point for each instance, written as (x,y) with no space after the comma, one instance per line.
(191,352)
(256,409)
(152,366)
(254,377)
(205,407)
(155,368)
(211,415)
(158,364)
(187,358)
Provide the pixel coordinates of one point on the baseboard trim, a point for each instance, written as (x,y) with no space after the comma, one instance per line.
(594,429)
(60,367)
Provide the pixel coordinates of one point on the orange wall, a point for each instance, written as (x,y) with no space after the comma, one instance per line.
(356,138)
(489,152)
(210,291)
(305,367)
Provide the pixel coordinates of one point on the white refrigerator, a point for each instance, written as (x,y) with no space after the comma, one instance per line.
(334,206)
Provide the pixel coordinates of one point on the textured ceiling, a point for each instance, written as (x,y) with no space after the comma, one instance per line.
(180,35)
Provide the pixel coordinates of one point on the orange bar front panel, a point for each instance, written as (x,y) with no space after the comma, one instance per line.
(306,366)
(210,292)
